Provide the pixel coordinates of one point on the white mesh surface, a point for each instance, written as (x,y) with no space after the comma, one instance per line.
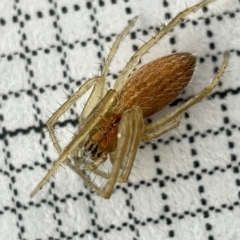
(184,186)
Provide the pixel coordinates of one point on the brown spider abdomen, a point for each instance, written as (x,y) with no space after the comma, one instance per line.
(156,84)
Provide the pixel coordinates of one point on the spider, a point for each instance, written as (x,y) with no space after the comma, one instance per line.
(112,121)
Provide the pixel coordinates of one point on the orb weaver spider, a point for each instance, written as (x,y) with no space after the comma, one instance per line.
(112,122)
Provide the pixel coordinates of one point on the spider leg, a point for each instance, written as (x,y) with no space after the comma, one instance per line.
(93,165)
(135,125)
(101,173)
(53,119)
(163,122)
(122,78)
(99,89)
(115,46)
(155,132)
(91,168)
(92,120)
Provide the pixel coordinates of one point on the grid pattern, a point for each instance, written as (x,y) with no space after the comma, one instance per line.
(185,185)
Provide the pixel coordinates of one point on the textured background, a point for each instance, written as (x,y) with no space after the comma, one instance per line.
(185,185)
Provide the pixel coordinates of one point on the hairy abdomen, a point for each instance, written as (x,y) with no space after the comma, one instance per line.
(156,84)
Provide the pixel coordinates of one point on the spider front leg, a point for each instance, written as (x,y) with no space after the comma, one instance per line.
(173,119)
(99,89)
(53,119)
(131,129)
